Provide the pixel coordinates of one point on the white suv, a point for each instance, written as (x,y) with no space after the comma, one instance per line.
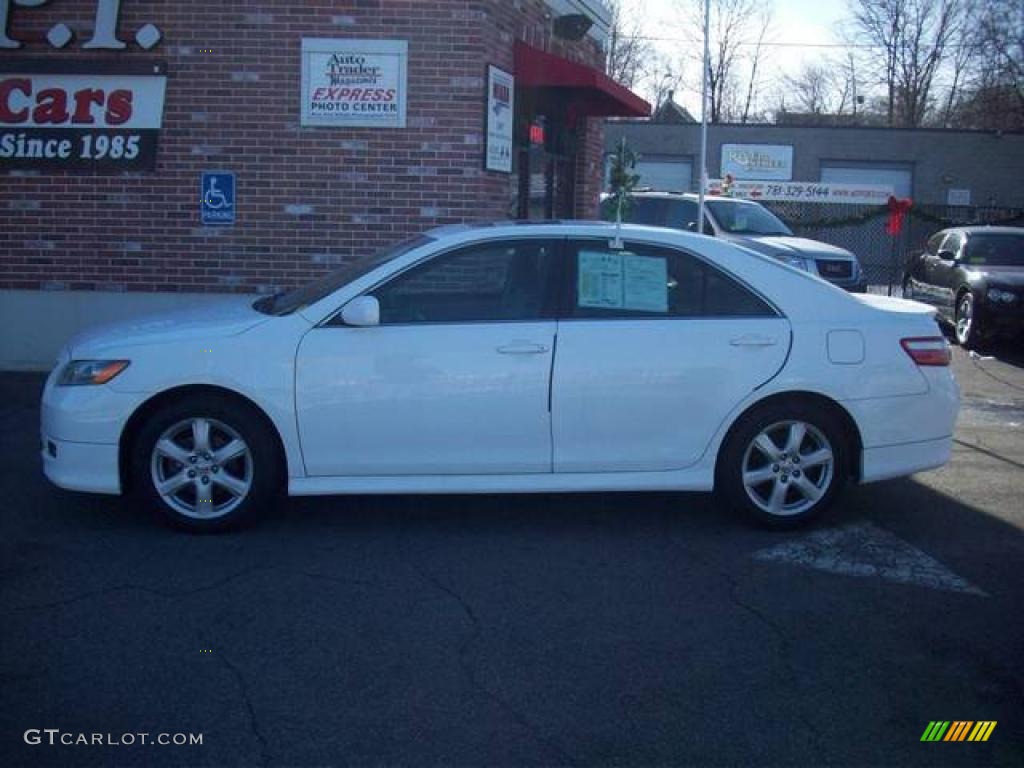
(745,223)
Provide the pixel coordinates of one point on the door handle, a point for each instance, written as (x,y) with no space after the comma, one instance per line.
(750,340)
(522,348)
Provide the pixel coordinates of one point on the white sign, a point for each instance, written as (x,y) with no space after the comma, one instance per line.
(757,161)
(356,83)
(958,197)
(80,121)
(500,112)
(622,281)
(813,191)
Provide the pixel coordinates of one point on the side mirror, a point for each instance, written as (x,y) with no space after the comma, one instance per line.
(947,255)
(692,226)
(362,311)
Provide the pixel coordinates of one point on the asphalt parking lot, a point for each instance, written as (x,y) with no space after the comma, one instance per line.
(599,629)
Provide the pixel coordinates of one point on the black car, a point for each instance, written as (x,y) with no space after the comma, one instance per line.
(974,276)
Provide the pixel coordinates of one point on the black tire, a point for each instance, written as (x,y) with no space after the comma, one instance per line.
(741,457)
(966,327)
(226,505)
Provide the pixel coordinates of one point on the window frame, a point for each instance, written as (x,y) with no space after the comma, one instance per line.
(571,277)
(551,306)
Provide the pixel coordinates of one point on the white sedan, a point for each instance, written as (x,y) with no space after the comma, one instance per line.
(510,358)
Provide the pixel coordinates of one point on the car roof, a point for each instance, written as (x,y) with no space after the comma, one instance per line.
(978,229)
(550,227)
(665,195)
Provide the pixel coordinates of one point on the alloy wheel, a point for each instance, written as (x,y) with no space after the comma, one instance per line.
(788,467)
(202,468)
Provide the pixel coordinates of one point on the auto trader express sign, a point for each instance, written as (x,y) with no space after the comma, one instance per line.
(360,83)
(84,116)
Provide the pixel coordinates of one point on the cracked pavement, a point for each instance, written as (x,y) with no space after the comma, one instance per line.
(603,629)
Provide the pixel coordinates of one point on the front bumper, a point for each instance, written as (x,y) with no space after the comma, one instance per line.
(1000,318)
(91,467)
(81,429)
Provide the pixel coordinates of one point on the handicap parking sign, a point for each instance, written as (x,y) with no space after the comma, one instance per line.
(217,202)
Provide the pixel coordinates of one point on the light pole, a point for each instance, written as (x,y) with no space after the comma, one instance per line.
(704,119)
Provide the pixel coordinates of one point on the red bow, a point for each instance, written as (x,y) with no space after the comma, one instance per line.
(897,210)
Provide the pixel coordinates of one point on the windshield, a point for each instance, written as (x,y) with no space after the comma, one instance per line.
(740,218)
(995,250)
(284,303)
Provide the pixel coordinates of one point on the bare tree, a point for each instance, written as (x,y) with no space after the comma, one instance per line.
(913,39)
(812,89)
(753,83)
(737,27)
(664,79)
(630,54)
(1000,71)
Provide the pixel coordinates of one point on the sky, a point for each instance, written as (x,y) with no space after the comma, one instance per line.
(802,23)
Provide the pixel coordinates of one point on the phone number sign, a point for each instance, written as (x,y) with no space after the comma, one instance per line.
(103,121)
(819,192)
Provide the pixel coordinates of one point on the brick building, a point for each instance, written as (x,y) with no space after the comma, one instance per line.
(111,112)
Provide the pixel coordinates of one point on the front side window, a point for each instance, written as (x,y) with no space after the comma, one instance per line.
(932,247)
(952,244)
(488,282)
(654,281)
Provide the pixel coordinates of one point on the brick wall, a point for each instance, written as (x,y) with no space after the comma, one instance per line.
(307,198)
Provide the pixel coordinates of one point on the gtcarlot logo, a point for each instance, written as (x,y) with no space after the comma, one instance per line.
(56,737)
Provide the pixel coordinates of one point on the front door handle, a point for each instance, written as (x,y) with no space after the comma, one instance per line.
(752,340)
(522,348)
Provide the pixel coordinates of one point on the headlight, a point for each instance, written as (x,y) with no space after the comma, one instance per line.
(797,261)
(79,372)
(994,294)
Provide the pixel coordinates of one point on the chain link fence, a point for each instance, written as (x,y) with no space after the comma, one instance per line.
(861,230)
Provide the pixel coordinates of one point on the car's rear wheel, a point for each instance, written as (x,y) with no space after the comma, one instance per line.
(206,463)
(783,464)
(968,332)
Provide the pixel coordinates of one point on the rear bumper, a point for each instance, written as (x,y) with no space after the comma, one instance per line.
(898,460)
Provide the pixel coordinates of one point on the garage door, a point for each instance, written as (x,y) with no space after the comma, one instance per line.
(664,175)
(901,179)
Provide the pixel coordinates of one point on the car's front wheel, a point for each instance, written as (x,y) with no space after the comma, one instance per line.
(784,464)
(205,463)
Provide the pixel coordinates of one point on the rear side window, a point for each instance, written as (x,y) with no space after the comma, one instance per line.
(654,281)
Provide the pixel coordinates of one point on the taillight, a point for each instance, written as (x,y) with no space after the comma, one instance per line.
(927,350)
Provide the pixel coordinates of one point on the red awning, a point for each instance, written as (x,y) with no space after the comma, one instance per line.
(594,93)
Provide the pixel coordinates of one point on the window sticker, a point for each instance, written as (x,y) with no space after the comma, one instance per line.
(600,280)
(645,283)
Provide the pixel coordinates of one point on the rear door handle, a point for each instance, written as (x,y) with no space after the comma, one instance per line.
(522,348)
(751,340)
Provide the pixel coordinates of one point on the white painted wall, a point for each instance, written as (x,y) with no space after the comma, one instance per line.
(35,324)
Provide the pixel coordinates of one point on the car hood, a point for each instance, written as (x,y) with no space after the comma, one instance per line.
(999,277)
(773,245)
(227,317)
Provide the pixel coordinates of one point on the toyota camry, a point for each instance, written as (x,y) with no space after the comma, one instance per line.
(558,356)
